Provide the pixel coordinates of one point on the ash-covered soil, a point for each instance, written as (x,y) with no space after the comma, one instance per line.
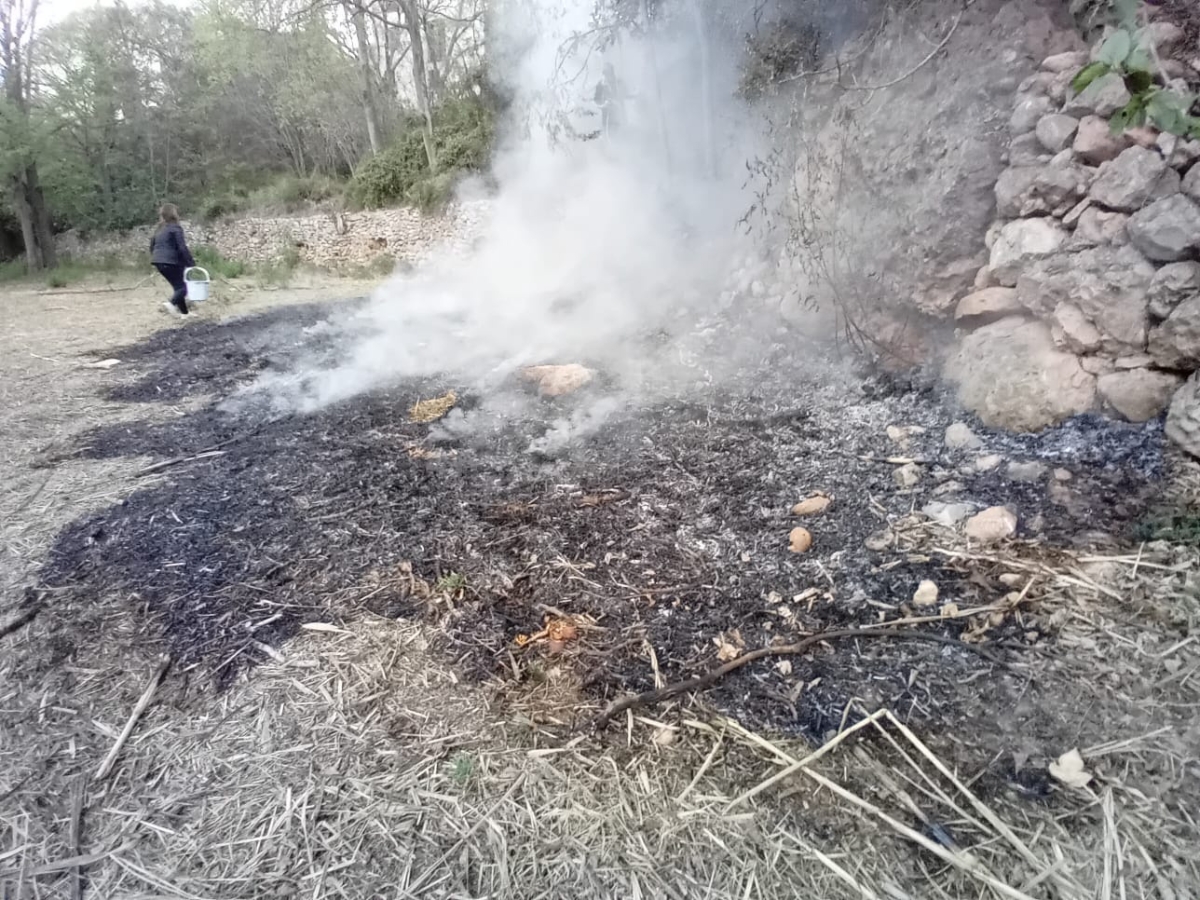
(661,517)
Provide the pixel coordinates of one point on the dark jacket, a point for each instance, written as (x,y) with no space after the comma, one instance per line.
(168,247)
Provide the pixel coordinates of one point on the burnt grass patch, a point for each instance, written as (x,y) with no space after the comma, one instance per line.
(666,525)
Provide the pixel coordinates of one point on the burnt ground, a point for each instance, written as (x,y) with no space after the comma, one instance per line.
(666,526)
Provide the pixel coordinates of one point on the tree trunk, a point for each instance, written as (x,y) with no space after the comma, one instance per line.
(435,40)
(706,101)
(36,231)
(658,98)
(368,81)
(412,24)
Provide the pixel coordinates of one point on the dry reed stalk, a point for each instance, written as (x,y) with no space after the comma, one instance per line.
(109,761)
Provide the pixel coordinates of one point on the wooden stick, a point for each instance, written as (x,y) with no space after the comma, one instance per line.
(75,834)
(649,698)
(106,767)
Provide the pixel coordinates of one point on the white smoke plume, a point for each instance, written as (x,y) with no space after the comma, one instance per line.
(592,244)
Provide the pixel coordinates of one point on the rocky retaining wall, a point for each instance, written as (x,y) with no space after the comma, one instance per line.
(333,240)
(890,157)
(1090,299)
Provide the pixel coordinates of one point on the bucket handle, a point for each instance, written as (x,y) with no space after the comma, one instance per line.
(196,269)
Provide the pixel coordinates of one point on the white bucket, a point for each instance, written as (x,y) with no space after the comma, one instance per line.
(197,288)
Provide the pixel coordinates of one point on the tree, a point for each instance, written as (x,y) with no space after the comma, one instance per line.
(18,153)
(412,24)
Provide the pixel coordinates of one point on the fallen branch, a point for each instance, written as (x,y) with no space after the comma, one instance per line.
(700,682)
(106,767)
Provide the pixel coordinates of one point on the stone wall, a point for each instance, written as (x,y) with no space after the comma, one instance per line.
(894,151)
(1090,299)
(329,240)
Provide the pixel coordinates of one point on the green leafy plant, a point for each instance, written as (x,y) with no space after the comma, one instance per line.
(1126,52)
(451,583)
(462,769)
(1180,526)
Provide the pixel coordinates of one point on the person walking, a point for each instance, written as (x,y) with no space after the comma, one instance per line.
(169,254)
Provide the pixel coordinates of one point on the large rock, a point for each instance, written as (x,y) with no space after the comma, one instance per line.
(1022,242)
(1095,143)
(1029,110)
(1107,284)
(1172,285)
(987,305)
(1012,376)
(993,524)
(1040,190)
(1056,131)
(557,380)
(1134,179)
(1054,85)
(1138,395)
(1102,97)
(1071,61)
(1098,227)
(1166,36)
(937,296)
(925,162)
(1179,152)
(1191,182)
(1070,328)
(1175,343)
(1027,150)
(1183,418)
(1167,230)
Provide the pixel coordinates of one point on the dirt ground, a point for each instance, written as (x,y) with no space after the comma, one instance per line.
(354,706)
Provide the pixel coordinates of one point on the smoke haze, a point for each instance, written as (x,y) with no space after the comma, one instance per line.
(599,246)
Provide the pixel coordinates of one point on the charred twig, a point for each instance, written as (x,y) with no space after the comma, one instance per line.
(207,452)
(700,682)
(106,767)
(20,621)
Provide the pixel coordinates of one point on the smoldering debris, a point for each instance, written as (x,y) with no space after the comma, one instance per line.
(307,517)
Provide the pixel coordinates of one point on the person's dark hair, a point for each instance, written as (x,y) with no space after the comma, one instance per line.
(168,213)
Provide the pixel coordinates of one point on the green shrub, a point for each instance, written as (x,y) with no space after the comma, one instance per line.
(289,193)
(384,179)
(215,207)
(69,272)
(13,270)
(278,271)
(217,265)
(432,193)
(463,132)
